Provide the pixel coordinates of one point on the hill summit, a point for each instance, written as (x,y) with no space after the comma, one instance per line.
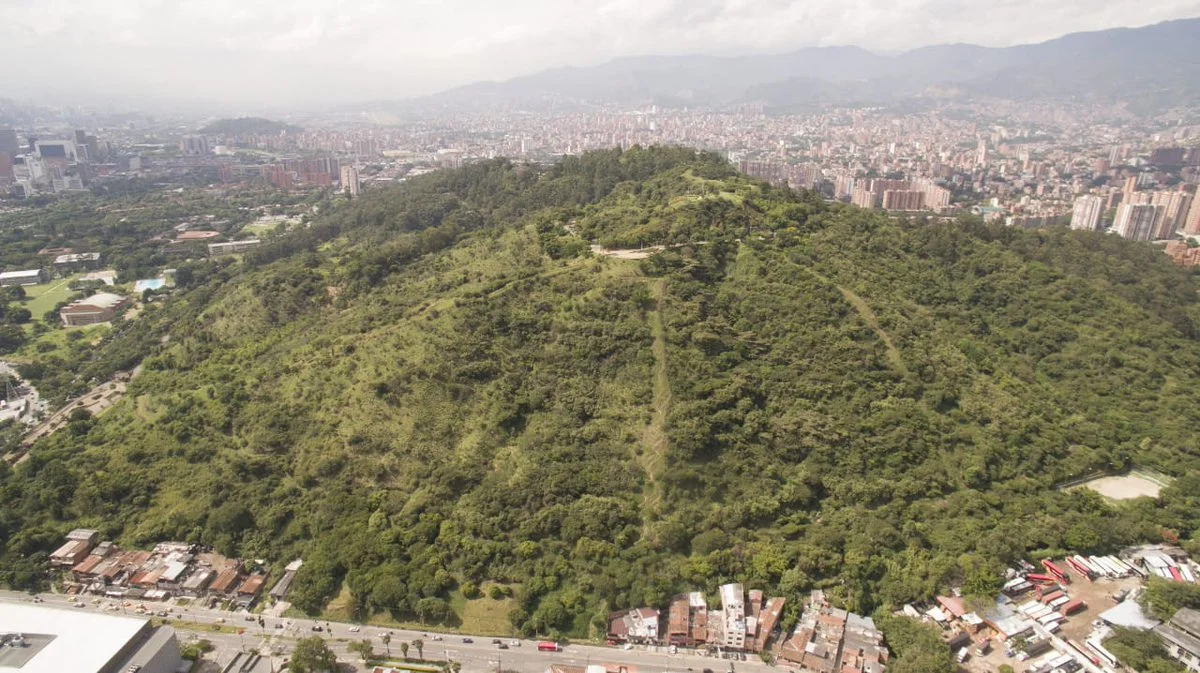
(460,383)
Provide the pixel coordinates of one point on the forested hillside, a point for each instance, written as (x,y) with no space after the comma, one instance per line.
(439,387)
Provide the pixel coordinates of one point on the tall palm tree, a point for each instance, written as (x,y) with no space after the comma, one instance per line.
(387,643)
(420,645)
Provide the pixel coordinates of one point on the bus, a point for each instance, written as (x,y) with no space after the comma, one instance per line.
(547,646)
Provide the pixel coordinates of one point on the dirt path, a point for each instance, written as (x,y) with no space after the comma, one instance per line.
(868,316)
(653,457)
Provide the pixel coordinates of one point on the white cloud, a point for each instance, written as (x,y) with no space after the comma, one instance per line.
(293,51)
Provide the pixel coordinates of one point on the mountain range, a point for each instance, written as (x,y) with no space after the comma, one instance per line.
(1149,69)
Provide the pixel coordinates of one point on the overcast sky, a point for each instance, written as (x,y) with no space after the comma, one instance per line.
(260,53)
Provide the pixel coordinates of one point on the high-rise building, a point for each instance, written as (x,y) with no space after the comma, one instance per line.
(7,175)
(1175,206)
(863,197)
(8,142)
(1191,224)
(193,145)
(1088,212)
(1138,221)
(903,199)
(981,153)
(350,183)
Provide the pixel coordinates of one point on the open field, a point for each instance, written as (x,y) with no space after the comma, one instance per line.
(1126,487)
(42,298)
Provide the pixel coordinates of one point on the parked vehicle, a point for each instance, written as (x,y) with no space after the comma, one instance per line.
(467,641)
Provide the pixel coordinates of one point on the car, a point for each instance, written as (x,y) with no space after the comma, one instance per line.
(496,641)
(72,599)
(503,646)
(514,643)
(162,613)
(435,638)
(467,641)
(354,629)
(317,627)
(279,625)
(629,646)
(81,605)
(219,620)
(250,618)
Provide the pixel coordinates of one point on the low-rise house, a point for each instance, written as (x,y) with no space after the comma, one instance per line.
(79,544)
(1181,637)
(226,582)
(26,277)
(198,582)
(640,625)
(98,308)
(250,588)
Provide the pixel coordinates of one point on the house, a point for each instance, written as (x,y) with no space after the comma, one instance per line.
(227,582)
(27,277)
(250,588)
(198,582)
(79,260)
(768,622)
(1181,637)
(639,625)
(232,247)
(78,545)
(98,308)
(733,616)
(281,588)
(830,640)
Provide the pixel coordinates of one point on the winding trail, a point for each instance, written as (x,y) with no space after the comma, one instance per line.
(864,311)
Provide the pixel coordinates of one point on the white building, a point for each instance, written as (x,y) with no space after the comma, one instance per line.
(1138,221)
(350,182)
(38,639)
(1089,210)
(733,616)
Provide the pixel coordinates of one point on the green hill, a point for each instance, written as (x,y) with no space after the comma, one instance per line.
(439,387)
(246,125)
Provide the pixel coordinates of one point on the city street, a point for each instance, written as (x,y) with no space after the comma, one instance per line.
(480,656)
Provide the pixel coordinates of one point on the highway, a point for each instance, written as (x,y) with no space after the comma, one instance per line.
(480,656)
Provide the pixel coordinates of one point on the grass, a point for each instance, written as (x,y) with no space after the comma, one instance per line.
(42,298)
(481,616)
(57,343)
(654,440)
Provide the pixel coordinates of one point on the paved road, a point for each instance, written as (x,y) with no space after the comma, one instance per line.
(480,656)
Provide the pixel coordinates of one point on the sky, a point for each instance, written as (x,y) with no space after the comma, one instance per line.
(257,54)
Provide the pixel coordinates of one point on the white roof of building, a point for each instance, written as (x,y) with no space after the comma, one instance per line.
(103,300)
(84,640)
(1128,614)
(20,274)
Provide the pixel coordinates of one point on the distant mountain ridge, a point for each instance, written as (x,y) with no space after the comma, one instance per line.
(1150,68)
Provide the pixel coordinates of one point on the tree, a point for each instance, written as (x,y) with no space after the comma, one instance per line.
(387,642)
(364,648)
(420,645)
(12,337)
(404,649)
(312,655)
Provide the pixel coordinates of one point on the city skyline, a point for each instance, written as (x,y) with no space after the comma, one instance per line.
(261,54)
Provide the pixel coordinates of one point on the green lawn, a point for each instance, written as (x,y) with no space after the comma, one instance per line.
(42,298)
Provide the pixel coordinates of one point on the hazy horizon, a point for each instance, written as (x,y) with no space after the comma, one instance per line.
(225,56)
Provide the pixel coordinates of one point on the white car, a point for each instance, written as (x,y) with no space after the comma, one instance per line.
(354,629)
(514,643)
(627,646)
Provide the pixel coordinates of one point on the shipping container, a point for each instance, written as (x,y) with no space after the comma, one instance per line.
(1072,607)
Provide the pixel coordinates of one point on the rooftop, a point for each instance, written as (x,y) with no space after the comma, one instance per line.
(74,640)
